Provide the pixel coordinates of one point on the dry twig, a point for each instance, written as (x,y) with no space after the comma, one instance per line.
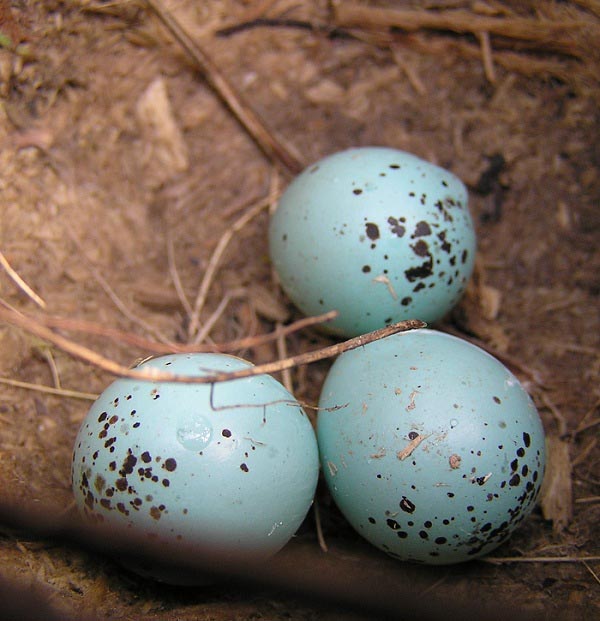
(60,392)
(156,347)
(498,560)
(155,375)
(23,286)
(250,121)
(215,260)
(546,34)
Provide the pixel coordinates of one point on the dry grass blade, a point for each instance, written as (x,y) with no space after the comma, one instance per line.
(156,347)
(216,259)
(111,293)
(59,392)
(545,33)
(251,122)
(23,286)
(155,375)
(499,560)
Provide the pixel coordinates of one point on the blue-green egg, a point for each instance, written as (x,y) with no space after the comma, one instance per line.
(193,467)
(431,448)
(375,233)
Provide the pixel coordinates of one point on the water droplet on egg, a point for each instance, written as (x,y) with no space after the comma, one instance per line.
(196,435)
(453,423)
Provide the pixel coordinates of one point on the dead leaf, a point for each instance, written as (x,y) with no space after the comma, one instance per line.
(557,492)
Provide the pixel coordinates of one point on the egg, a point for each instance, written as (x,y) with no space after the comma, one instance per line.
(375,233)
(230,467)
(431,448)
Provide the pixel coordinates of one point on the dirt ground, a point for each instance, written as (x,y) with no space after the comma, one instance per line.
(120,170)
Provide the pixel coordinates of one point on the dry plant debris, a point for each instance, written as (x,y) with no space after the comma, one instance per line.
(125,189)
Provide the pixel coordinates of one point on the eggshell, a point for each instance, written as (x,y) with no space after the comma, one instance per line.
(430,447)
(378,234)
(231,468)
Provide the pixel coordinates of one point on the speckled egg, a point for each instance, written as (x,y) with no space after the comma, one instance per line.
(378,234)
(430,447)
(233,468)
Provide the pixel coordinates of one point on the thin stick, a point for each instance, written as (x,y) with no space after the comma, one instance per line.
(154,375)
(594,574)
(498,560)
(23,286)
(53,368)
(215,260)
(110,292)
(120,336)
(60,392)
(486,56)
(319,526)
(175,276)
(587,499)
(546,34)
(249,120)
(209,324)
(591,5)
(282,353)
(411,74)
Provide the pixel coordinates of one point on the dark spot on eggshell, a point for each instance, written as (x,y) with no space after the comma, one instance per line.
(372,231)
(372,520)
(366,269)
(526,439)
(497,400)
(422,229)
(89,500)
(392,524)
(442,209)
(99,483)
(445,246)
(421,271)
(395,227)
(244,467)
(155,513)
(146,457)
(515,480)
(102,416)
(406,301)
(121,484)
(128,464)
(357,191)
(406,505)
(226,433)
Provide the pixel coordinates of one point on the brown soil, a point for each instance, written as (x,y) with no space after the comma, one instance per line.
(94,182)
